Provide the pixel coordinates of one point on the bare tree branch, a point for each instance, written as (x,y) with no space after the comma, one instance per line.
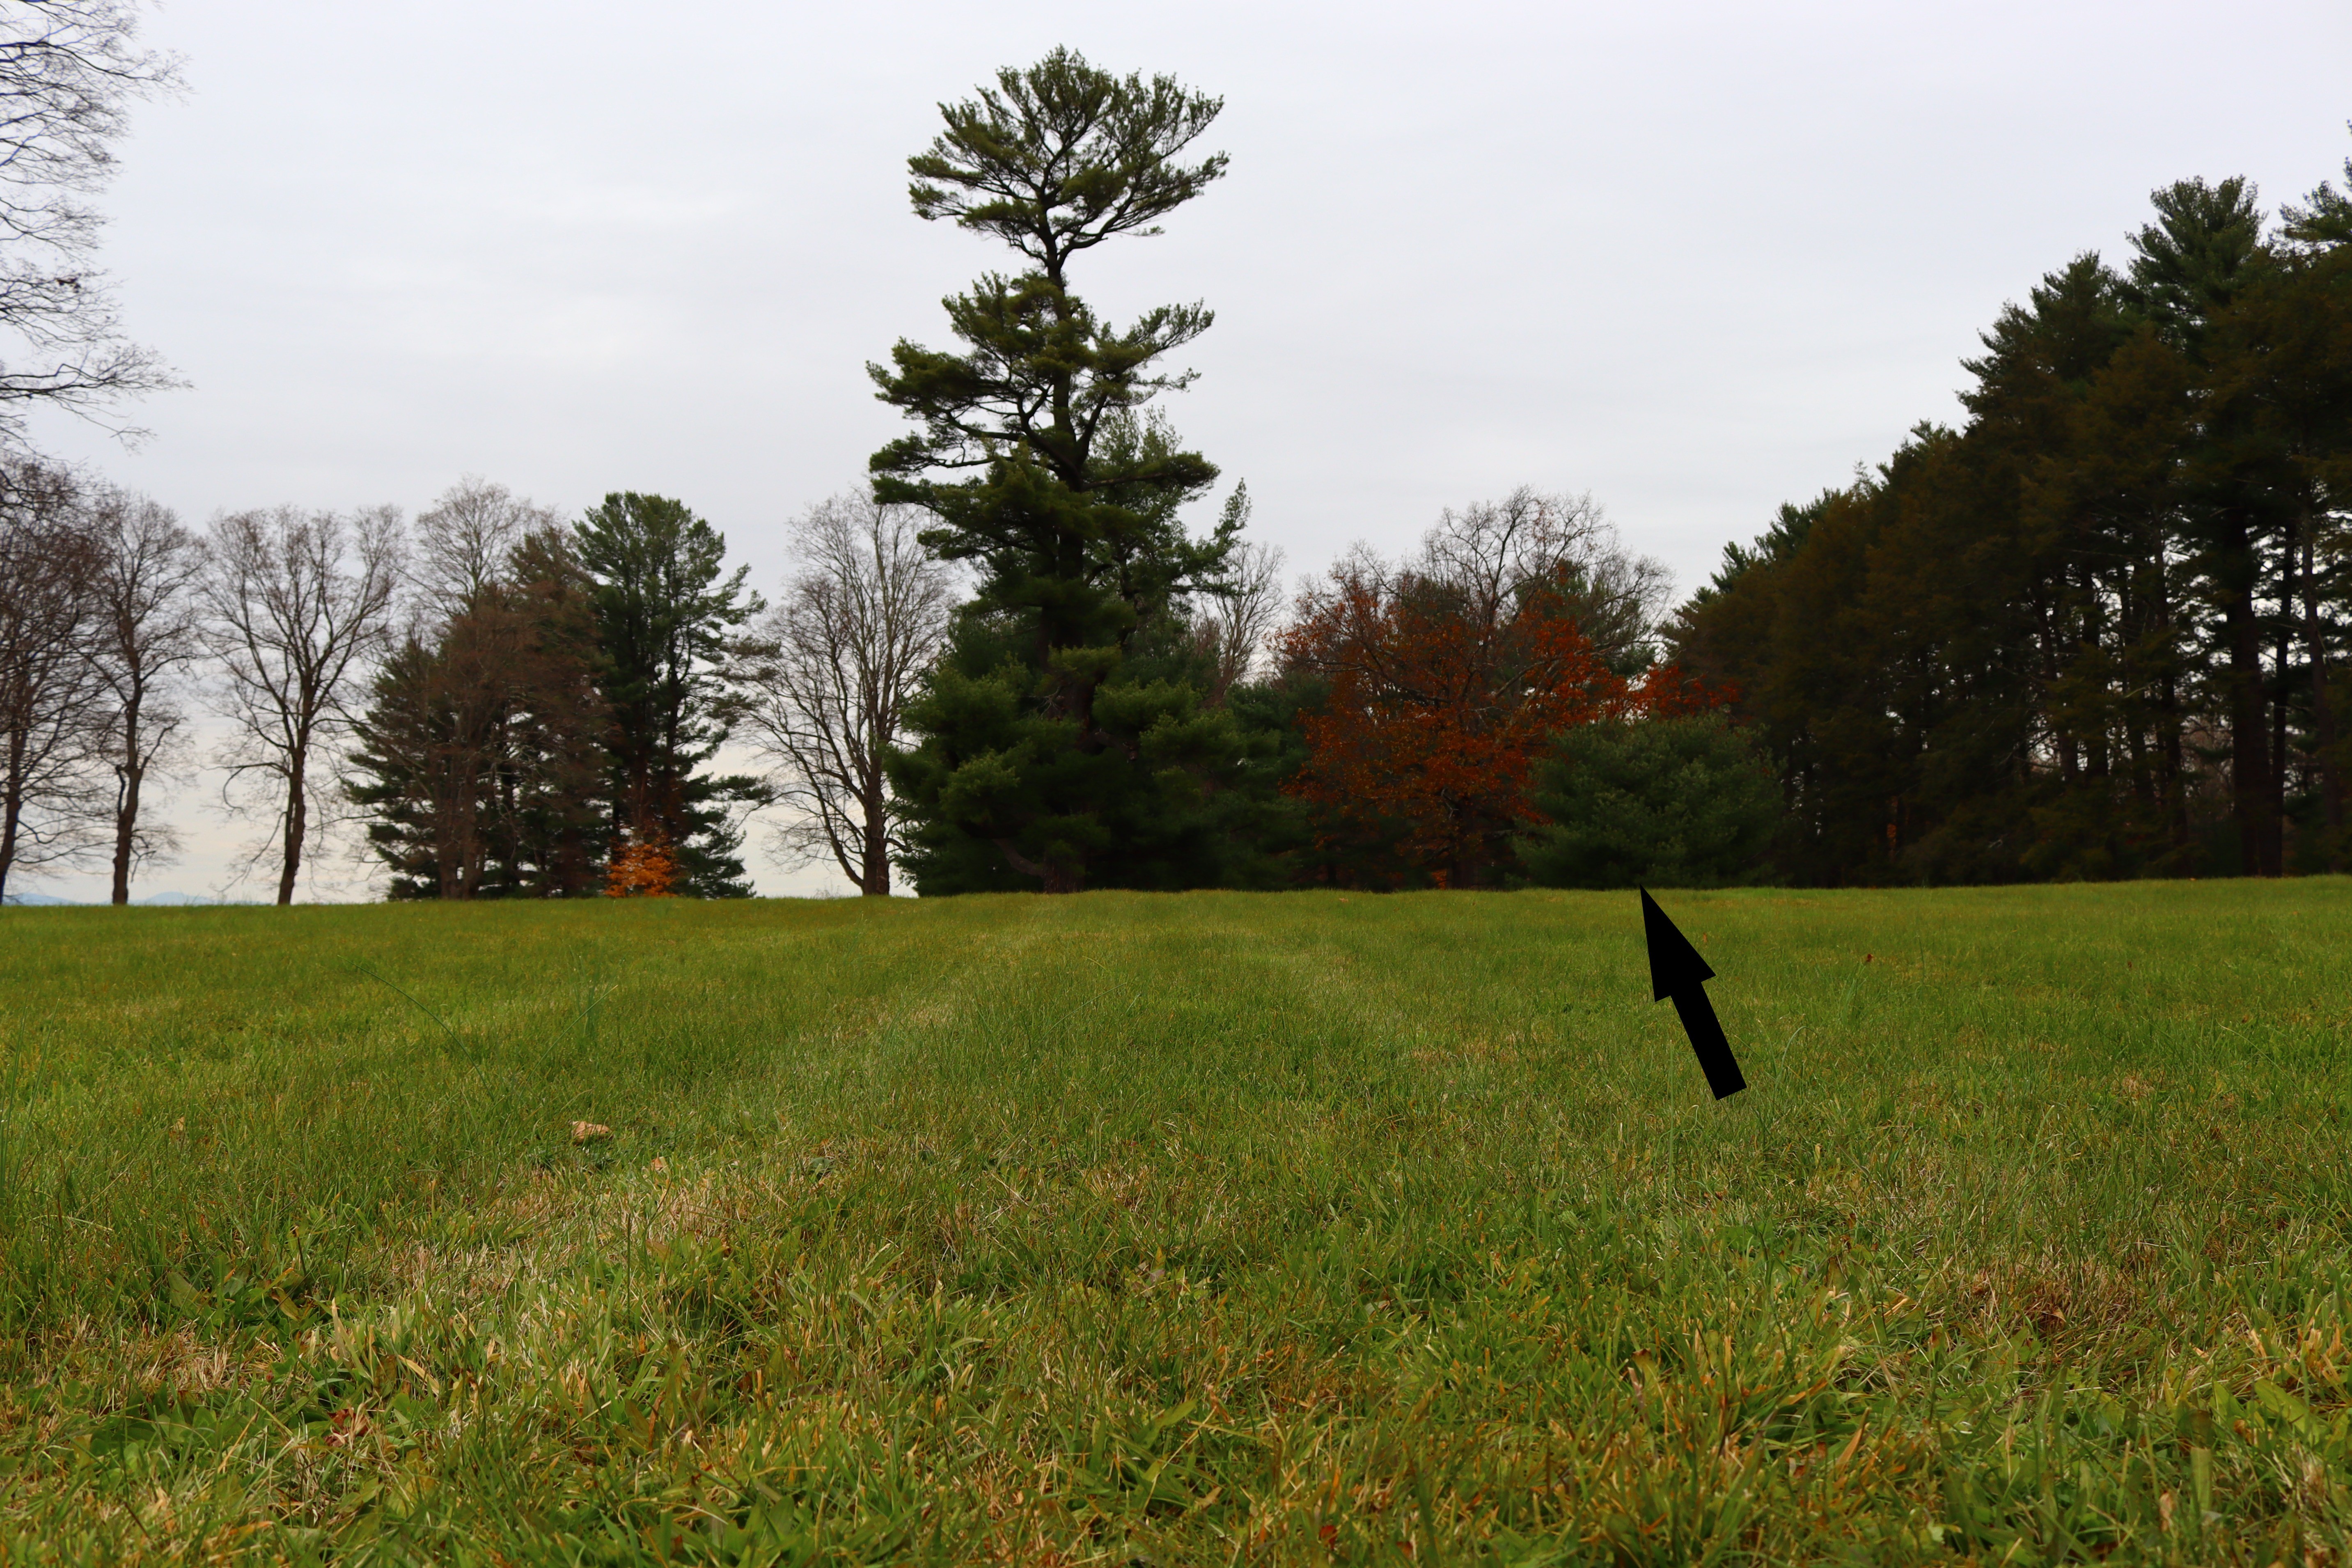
(297,604)
(465,538)
(50,687)
(146,634)
(1486,556)
(1247,608)
(68,71)
(831,670)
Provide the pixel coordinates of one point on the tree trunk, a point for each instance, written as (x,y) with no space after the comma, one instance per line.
(2100,744)
(509,825)
(876,883)
(2129,631)
(466,777)
(2279,713)
(12,810)
(2172,762)
(2250,741)
(1055,876)
(126,817)
(2250,794)
(298,823)
(2323,717)
(448,857)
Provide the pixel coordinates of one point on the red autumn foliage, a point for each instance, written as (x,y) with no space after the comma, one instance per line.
(1447,681)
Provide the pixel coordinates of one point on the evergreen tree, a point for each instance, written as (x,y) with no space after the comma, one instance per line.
(2200,256)
(2092,633)
(1062,740)
(663,610)
(399,771)
(2279,384)
(480,753)
(554,793)
(1677,802)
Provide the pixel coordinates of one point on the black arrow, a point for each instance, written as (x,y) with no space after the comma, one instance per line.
(1677,970)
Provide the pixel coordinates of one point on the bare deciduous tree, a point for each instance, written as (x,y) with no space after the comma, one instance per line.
(296,603)
(466,539)
(49,688)
(1240,621)
(145,635)
(830,672)
(1477,566)
(68,71)
(1492,551)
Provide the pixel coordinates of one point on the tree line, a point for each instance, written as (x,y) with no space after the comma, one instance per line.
(1120,701)
(2089,634)
(1007,664)
(514,706)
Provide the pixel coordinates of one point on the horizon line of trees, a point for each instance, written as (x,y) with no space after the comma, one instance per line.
(513,706)
(2090,632)
(1119,702)
(2095,631)
(504,704)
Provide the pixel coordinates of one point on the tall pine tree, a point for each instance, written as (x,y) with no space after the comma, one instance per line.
(1066,739)
(663,612)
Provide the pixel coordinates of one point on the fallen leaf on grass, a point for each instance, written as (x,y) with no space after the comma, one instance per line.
(589,1131)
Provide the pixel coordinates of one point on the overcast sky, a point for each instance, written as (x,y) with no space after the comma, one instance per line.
(1695,259)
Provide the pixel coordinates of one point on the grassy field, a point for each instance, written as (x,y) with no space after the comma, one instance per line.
(1199,1229)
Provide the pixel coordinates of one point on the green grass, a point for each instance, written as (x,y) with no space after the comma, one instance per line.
(1199,1229)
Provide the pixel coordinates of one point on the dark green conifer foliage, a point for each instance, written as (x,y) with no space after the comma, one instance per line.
(2322,220)
(479,755)
(1061,744)
(557,798)
(2099,631)
(2279,387)
(399,775)
(2202,254)
(663,612)
(1664,802)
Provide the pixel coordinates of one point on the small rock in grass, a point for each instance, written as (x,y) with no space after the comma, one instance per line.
(589,1131)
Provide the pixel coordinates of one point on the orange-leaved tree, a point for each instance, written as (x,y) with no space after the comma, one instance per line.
(1447,678)
(643,867)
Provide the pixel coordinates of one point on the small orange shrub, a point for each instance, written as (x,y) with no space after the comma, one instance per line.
(643,870)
